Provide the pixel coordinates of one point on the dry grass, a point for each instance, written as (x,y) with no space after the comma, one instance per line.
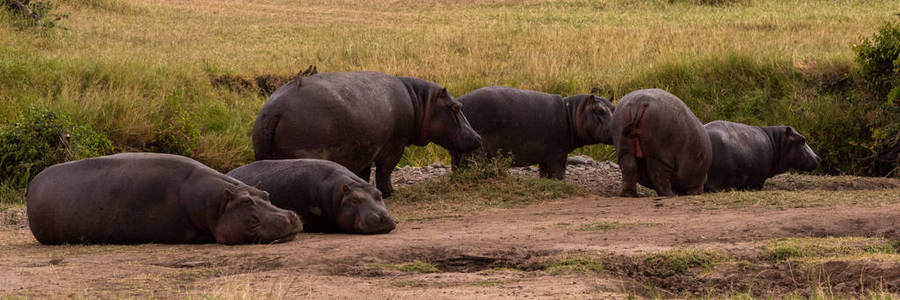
(117,64)
(796,199)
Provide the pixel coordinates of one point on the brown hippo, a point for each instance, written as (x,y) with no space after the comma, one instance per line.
(745,156)
(328,197)
(660,143)
(535,127)
(132,198)
(359,118)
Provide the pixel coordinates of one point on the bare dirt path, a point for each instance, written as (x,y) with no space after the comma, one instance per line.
(497,253)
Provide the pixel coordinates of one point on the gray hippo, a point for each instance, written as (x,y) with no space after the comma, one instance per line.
(357,119)
(535,127)
(745,156)
(133,198)
(328,197)
(660,143)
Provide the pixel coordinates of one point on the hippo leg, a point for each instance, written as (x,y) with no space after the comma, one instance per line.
(628,165)
(554,169)
(661,176)
(455,159)
(384,166)
(365,174)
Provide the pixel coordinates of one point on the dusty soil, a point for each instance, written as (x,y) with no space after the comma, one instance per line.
(494,253)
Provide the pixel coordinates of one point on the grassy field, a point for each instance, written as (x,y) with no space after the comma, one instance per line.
(141,72)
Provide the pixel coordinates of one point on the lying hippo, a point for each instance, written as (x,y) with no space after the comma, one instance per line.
(359,118)
(328,197)
(660,143)
(745,156)
(132,198)
(535,127)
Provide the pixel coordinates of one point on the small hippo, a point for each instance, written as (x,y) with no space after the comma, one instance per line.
(660,143)
(535,127)
(132,198)
(359,118)
(328,197)
(745,156)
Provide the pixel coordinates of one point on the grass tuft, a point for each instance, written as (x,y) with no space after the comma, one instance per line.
(581,264)
(414,266)
(809,249)
(683,259)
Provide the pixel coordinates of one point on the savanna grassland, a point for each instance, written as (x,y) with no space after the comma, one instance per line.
(181,77)
(188,77)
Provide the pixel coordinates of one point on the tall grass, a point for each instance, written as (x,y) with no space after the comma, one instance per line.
(139,71)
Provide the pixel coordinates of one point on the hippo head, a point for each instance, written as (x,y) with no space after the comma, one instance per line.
(247,216)
(795,153)
(444,123)
(590,116)
(362,210)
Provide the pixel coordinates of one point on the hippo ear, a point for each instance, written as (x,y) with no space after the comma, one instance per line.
(258,185)
(345,189)
(789,133)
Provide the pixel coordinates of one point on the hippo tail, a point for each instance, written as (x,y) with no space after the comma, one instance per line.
(632,130)
(263,137)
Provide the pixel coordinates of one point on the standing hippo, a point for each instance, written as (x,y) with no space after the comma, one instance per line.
(660,143)
(132,198)
(745,156)
(328,197)
(359,118)
(535,127)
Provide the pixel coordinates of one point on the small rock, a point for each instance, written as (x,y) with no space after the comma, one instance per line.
(438,165)
(580,160)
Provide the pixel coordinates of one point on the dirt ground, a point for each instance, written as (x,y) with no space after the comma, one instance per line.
(494,253)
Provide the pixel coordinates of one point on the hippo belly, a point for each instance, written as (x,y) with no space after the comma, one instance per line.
(358,119)
(136,198)
(532,127)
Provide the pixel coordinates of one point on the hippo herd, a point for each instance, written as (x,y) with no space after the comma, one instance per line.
(318,137)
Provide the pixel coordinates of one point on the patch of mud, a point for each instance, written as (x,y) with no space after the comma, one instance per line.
(444,260)
(13,218)
(226,265)
(760,278)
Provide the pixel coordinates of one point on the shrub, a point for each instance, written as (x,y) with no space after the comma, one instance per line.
(879,60)
(42,138)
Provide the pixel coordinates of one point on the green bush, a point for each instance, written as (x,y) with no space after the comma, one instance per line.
(879,59)
(42,138)
(178,132)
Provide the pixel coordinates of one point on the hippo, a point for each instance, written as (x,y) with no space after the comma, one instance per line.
(327,196)
(660,143)
(133,198)
(535,127)
(745,156)
(357,119)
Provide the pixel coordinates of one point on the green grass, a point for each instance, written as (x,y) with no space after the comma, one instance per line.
(488,283)
(601,227)
(683,259)
(583,264)
(797,199)
(139,71)
(10,196)
(403,283)
(414,266)
(812,249)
